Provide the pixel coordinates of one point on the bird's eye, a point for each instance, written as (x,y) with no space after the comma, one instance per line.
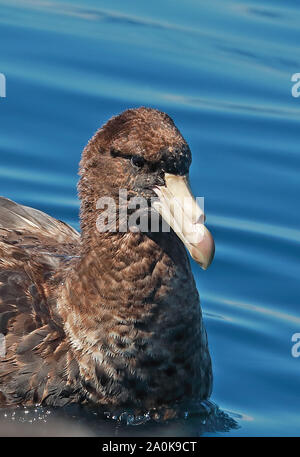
(137,161)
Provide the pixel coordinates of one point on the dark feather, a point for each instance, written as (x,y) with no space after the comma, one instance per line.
(33,246)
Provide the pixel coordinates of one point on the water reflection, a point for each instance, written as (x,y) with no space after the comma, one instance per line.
(75,420)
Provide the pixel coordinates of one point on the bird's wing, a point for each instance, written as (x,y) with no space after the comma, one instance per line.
(35,252)
(19,217)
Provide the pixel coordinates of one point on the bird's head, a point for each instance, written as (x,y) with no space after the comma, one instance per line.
(142,153)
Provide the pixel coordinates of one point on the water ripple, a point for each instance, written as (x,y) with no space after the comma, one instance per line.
(266,311)
(274,231)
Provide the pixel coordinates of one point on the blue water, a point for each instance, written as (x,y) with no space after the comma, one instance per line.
(222,71)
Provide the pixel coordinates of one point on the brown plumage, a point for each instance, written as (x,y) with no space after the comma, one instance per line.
(108,318)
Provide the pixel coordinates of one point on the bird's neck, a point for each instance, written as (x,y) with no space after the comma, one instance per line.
(125,273)
(124,278)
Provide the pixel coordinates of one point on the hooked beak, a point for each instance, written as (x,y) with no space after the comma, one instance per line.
(179,208)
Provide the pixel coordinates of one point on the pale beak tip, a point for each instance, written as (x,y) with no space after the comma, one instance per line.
(203,252)
(211,250)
